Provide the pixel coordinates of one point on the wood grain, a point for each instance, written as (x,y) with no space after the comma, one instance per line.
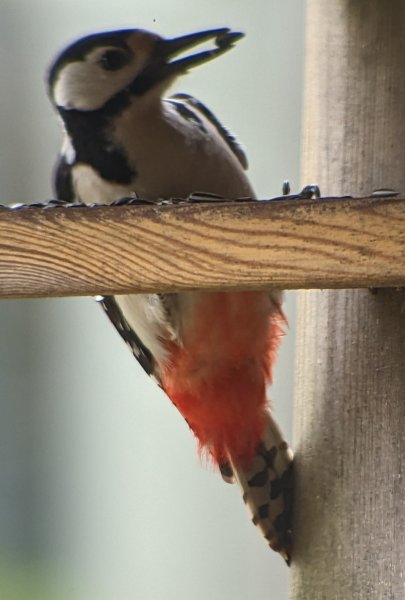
(350,381)
(328,243)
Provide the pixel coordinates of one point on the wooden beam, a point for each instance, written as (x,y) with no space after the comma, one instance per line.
(327,243)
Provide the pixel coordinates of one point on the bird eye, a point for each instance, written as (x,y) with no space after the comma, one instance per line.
(114,59)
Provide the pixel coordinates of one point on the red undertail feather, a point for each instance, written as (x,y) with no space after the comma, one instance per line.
(218,377)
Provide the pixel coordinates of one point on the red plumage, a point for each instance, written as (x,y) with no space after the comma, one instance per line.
(217,378)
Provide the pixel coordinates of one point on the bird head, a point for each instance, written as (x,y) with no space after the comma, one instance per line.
(95,69)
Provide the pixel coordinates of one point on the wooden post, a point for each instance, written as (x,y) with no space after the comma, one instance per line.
(350,397)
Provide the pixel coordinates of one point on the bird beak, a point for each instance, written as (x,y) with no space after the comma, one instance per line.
(162,66)
(223,39)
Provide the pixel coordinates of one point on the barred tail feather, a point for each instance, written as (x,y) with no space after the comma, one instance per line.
(267,488)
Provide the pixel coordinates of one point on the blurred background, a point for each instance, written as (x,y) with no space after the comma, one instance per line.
(102,494)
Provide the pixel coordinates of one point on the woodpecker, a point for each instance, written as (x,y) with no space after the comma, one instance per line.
(211,352)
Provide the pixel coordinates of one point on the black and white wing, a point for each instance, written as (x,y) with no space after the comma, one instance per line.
(138,349)
(190,108)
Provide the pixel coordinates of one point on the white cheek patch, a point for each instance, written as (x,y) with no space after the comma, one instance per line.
(83,85)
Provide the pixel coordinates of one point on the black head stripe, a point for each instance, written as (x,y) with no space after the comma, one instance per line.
(80,49)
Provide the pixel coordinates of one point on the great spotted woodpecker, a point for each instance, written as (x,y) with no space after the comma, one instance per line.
(212,353)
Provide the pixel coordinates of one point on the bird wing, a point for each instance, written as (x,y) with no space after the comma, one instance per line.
(195,106)
(138,349)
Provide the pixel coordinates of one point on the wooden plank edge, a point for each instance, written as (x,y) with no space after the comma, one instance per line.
(291,244)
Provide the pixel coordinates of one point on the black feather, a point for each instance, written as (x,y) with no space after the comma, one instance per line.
(223,132)
(139,350)
(62,180)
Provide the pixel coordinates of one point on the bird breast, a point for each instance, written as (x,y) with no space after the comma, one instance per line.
(174,156)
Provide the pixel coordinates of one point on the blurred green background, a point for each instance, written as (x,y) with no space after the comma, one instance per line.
(102,494)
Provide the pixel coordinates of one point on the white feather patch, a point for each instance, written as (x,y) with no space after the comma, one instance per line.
(146,315)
